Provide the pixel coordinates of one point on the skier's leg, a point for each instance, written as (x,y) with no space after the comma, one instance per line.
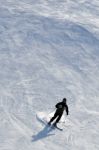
(54,117)
(58,119)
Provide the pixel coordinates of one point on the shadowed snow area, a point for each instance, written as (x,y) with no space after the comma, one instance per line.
(49,49)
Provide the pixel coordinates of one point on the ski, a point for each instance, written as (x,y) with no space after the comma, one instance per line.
(53,127)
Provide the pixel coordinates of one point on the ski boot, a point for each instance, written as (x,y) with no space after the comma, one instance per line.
(49,123)
(55,124)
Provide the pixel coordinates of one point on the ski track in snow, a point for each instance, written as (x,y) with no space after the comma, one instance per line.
(49,50)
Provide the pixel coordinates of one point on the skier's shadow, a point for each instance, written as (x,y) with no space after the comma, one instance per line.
(45,132)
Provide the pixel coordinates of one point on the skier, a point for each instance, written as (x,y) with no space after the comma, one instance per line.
(60,107)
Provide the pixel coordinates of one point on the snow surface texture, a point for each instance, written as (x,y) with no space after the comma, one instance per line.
(49,49)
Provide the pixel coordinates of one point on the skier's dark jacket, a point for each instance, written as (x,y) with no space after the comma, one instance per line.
(61,106)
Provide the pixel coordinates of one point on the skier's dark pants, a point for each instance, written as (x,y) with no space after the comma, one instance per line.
(56,115)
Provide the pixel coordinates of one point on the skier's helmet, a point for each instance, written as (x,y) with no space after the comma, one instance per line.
(64,100)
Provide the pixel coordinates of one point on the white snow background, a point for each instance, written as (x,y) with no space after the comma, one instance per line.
(49,49)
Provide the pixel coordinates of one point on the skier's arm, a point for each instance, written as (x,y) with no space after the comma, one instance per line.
(67,111)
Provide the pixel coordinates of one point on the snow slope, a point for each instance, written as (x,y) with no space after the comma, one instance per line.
(49,49)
